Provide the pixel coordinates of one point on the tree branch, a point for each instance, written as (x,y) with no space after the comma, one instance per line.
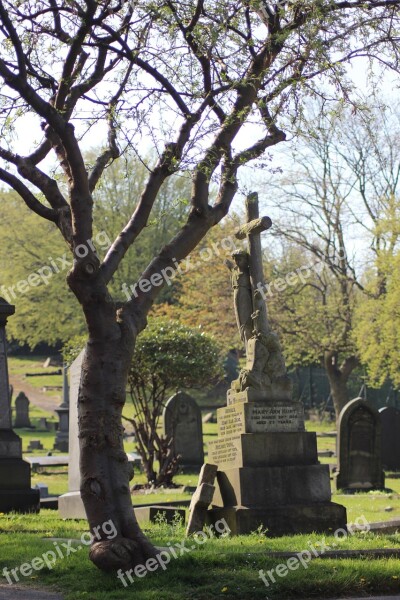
(27,196)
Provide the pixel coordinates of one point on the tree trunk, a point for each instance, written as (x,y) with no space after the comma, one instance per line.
(338,378)
(104,466)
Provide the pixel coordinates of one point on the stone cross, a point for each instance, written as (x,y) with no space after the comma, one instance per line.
(6,310)
(252,231)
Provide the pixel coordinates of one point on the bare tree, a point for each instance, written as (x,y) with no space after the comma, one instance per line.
(344,184)
(187,78)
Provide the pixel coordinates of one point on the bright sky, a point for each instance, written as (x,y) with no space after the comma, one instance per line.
(28,132)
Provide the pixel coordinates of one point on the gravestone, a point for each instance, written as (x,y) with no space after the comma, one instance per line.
(16,493)
(62,438)
(182,422)
(35,445)
(22,411)
(42,424)
(390,420)
(70,505)
(359,448)
(268,470)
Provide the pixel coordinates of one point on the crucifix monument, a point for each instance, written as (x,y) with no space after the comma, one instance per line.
(16,493)
(268,470)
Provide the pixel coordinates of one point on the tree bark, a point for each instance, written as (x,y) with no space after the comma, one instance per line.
(338,377)
(104,466)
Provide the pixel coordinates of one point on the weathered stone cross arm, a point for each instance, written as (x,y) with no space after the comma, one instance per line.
(254,227)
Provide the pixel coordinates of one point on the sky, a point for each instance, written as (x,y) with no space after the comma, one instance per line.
(28,134)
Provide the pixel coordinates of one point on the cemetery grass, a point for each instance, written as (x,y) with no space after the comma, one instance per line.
(218,568)
(20,365)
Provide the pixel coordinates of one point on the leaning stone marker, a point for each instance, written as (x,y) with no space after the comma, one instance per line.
(22,411)
(16,493)
(390,420)
(359,448)
(268,470)
(182,422)
(201,499)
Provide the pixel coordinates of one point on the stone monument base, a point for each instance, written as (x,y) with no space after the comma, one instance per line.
(322,517)
(23,501)
(268,470)
(16,493)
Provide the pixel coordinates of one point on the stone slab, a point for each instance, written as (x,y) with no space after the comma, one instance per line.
(182,423)
(10,444)
(201,498)
(70,506)
(322,517)
(359,448)
(19,501)
(74,477)
(272,486)
(8,592)
(390,419)
(263,449)
(5,404)
(259,417)
(15,474)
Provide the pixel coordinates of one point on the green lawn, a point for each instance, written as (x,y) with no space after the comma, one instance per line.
(216,568)
(20,365)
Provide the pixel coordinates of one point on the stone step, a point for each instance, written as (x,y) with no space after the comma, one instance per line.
(287,519)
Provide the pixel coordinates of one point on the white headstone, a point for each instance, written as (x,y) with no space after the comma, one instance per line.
(74,477)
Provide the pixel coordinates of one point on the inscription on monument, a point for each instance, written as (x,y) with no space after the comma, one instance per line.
(225,450)
(257,418)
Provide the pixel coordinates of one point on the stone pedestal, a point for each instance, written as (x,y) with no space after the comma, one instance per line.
(268,469)
(16,493)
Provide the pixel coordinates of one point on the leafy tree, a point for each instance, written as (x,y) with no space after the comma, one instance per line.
(168,357)
(205,289)
(35,262)
(377,329)
(186,79)
(47,310)
(314,313)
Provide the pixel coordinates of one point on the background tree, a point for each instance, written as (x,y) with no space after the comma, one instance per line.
(204,288)
(334,202)
(168,357)
(48,311)
(186,79)
(377,330)
(34,264)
